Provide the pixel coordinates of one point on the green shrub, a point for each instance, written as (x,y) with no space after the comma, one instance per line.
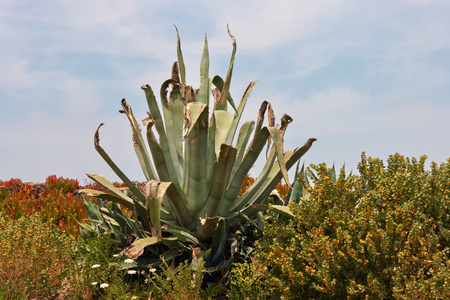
(34,257)
(384,234)
(96,274)
(247,282)
(182,282)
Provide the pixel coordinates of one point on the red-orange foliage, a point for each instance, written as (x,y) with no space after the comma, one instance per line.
(56,202)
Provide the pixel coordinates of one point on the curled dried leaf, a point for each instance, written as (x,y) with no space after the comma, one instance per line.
(149,121)
(97,138)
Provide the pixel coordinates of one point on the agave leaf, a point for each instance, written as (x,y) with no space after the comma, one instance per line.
(135,226)
(206,227)
(155,114)
(226,87)
(173,242)
(237,116)
(108,217)
(291,158)
(185,235)
(122,199)
(248,215)
(192,116)
(295,192)
(169,255)
(255,208)
(282,210)
(243,138)
(271,121)
(333,174)
(136,249)
(138,141)
(260,118)
(169,150)
(158,154)
(195,155)
(118,214)
(211,155)
(218,82)
(221,176)
(116,169)
(265,183)
(140,263)
(223,122)
(109,197)
(173,110)
(259,184)
(219,241)
(204,92)
(236,182)
(154,193)
(277,138)
(213,142)
(180,59)
(118,197)
(175,133)
(92,210)
(179,208)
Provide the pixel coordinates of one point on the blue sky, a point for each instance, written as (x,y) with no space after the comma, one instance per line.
(369,76)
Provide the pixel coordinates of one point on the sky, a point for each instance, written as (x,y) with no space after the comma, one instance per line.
(370,76)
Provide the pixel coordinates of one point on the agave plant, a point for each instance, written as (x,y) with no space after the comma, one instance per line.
(190,200)
(297,191)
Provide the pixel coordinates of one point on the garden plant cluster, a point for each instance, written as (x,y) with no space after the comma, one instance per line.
(200,227)
(381,234)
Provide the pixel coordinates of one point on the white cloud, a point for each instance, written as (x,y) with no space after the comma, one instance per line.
(15,72)
(271,23)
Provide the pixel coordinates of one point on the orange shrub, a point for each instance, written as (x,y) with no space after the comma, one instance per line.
(55,202)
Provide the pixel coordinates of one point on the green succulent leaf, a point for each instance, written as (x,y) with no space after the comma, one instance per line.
(277,138)
(154,194)
(185,235)
(226,87)
(180,59)
(219,241)
(195,155)
(138,142)
(205,228)
(115,168)
(221,175)
(205,90)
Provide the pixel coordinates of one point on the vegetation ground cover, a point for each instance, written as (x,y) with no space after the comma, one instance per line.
(382,234)
(43,255)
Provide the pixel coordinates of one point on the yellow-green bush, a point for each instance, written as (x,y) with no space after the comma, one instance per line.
(34,257)
(383,234)
(96,273)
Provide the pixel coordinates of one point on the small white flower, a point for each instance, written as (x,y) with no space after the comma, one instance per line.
(95,266)
(129,261)
(104,285)
(116,255)
(94,283)
(134,297)
(153,270)
(131,272)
